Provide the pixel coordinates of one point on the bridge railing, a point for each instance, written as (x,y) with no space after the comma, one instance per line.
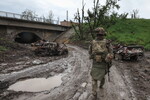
(26,17)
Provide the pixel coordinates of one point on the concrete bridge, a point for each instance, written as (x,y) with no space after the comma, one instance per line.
(11,24)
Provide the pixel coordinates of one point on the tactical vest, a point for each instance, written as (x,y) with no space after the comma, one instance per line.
(99,49)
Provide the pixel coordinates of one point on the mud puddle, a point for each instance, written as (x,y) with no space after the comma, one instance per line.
(37,84)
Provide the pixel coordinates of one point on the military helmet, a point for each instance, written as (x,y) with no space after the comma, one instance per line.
(100,31)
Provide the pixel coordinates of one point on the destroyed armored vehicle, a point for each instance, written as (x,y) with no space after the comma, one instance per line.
(44,48)
(131,52)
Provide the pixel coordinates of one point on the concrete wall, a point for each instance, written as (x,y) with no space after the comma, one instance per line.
(31,24)
(13,31)
(67,23)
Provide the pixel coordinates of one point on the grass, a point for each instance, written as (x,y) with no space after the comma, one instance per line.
(2,48)
(131,31)
(4,44)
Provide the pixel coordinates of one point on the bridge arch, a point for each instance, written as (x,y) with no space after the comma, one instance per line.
(26,37)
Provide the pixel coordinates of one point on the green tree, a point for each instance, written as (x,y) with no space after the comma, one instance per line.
(100,15)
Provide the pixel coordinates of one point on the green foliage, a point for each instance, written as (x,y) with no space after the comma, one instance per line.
(100,15)
(131,31)
(2,48)
(119,29)
(147,47)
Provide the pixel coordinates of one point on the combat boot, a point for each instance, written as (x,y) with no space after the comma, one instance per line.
(101,86)
(102,83)
(94,88)
(94,93)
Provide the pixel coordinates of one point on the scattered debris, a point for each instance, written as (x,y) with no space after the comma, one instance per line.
(84,84)
(37,62)
(131,52)
(3,64)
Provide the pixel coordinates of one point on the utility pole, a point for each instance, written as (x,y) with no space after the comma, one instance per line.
(67,15)
(57,20)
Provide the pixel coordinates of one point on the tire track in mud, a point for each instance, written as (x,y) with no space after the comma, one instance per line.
(118,88)
(76,83)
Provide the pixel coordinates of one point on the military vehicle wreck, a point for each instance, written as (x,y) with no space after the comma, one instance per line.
(45,48)
(131,52)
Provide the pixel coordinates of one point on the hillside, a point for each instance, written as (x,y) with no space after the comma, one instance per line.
(131,31)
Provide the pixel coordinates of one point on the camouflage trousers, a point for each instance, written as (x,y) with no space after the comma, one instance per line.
(98,72)
(95,85)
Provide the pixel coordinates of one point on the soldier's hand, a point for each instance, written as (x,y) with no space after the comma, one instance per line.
(109,57)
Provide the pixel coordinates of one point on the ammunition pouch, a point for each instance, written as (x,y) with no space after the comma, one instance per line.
(98,58)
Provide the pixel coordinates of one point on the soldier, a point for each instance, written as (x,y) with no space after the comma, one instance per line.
(101,54)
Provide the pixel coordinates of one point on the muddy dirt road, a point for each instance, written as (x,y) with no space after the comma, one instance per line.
(75,80)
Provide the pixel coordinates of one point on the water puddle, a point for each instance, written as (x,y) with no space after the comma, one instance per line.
(37,84)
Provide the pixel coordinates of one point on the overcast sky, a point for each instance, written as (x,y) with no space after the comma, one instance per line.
(59,7)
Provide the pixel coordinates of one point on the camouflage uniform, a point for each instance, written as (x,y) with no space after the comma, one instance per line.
(100,64)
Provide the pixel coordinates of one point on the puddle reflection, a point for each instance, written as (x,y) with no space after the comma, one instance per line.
(37,84)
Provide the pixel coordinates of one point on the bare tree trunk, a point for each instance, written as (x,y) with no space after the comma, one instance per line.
(91,29)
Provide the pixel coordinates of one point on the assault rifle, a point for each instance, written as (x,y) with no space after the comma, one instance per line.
(108,67)
(110,49)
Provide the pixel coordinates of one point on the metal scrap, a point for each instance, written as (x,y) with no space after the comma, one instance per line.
(131,52)
(46,48)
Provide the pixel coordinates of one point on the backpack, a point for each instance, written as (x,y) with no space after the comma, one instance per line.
(99,47)
(99,50)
